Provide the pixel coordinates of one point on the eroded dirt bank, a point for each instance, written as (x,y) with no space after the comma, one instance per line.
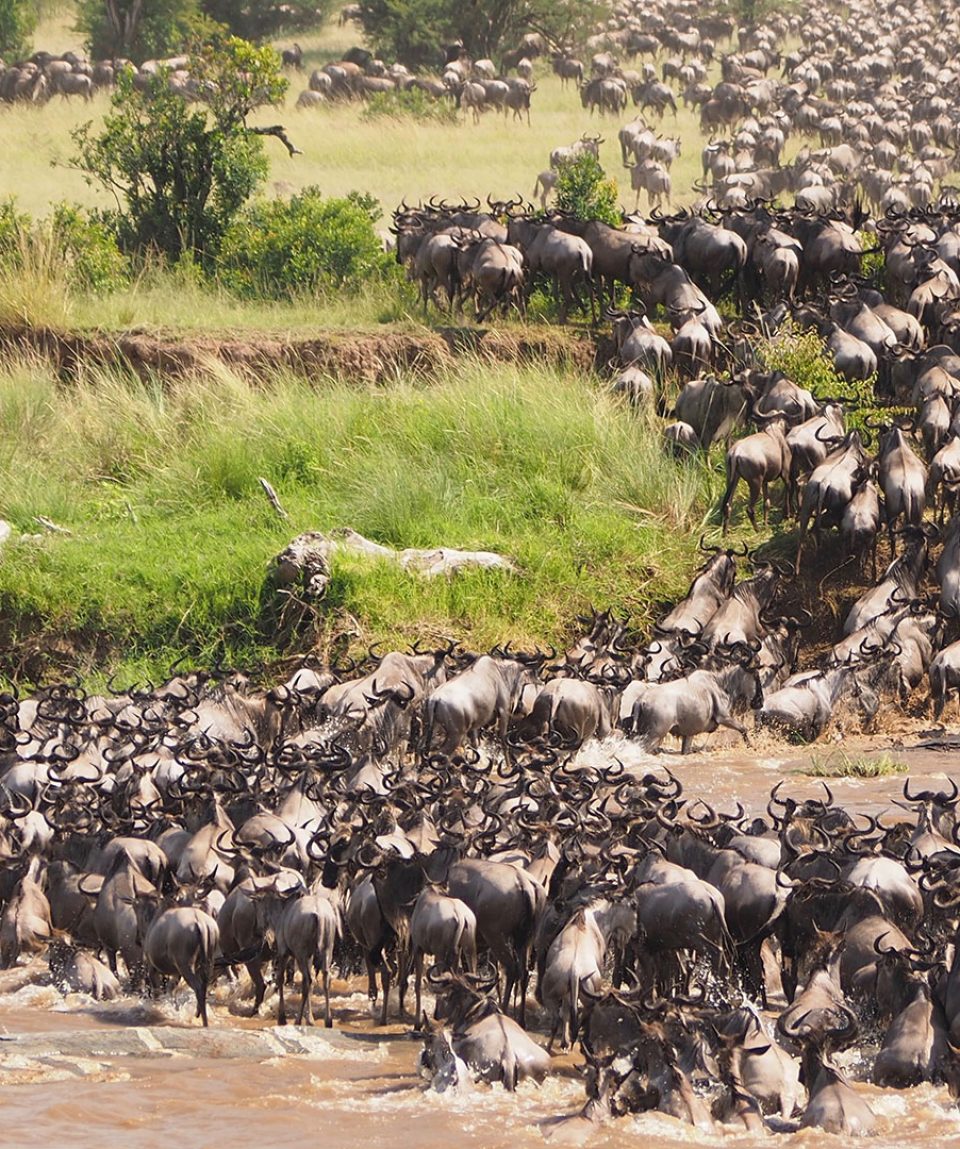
(353,356)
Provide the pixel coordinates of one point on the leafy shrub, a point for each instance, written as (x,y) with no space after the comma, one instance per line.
(412,104)
(13,226)
(139,31)
(583,190)
(18,19)
(309,244)
(69,244)
(803,357)
(181,172)
(87,249)
(266,18)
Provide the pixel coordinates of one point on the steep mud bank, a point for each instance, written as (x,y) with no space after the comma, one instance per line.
(350,356)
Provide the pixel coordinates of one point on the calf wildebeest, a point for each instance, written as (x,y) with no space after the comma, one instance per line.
(446,928)
(306,929)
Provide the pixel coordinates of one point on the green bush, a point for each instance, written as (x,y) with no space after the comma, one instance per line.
(307,244)
(18,19)
(139,31)
(87,249)
(412,104)
(181,172)
(13,226)
(260,20)
(415,31)
(76,248)
(802,356)
(584,191)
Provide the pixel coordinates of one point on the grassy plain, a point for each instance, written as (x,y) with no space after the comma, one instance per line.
(392,159)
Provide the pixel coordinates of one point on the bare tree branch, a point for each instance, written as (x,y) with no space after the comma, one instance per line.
(273,497)
(280,133)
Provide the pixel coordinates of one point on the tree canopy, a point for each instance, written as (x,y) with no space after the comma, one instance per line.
(415,31)
(142,29)
(136,30)
(18,18)
(180,172)
(262,19)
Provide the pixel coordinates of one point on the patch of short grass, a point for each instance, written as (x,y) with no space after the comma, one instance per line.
(840,764)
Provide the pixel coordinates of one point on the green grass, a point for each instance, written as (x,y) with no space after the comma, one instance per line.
(166,299)
(839,764)
(171,536)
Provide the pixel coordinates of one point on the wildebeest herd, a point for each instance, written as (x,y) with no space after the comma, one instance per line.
(710,964)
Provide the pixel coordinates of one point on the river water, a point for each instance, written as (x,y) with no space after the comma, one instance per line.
(143,1074)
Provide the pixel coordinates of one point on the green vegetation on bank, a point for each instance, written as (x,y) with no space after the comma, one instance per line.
(171,536)
(839,764)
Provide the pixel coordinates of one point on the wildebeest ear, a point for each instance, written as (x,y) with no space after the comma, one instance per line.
(760,1050)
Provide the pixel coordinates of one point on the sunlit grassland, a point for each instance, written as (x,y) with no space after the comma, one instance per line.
(171,538)
(392,159)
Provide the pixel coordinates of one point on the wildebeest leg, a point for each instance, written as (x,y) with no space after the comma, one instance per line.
(259,985)
(371,977)
(417,980)
(385,981)
(727,500)
(686,743)
(327,1018)
(306,985)
(564,293)
(197,980)
(754,487)
(553,1031)
(751,970)
(403,974)
(732,724)
(523,982)
(280,973)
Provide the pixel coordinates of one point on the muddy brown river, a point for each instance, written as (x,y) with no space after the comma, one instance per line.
(144,1074)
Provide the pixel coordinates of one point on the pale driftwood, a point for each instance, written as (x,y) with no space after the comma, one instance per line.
(48,525)
(273,498)
(307,559)
(443,560)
